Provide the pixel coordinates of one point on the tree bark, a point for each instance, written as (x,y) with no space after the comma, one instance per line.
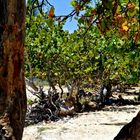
(130,131)
(12,84)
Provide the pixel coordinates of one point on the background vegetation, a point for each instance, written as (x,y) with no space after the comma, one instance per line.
(105,47)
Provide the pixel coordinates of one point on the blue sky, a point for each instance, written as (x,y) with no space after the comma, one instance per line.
(63,7)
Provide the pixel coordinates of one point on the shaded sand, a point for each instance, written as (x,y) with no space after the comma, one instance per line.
(99,125)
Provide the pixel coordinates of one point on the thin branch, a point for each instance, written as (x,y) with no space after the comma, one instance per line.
(49,3)
(83,35)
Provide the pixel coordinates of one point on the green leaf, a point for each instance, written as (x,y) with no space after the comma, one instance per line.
(50,22)
(73,3)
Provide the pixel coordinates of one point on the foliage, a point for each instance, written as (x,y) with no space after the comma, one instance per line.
(106,45)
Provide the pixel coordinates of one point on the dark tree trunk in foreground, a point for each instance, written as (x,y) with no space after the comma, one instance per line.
(12,85)
(130,131)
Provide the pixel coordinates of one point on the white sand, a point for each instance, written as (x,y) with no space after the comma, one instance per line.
(99,125)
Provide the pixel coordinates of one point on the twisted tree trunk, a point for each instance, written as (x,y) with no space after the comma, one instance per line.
(130,131)
(12,85)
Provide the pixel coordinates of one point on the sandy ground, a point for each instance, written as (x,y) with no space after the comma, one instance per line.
(99,125)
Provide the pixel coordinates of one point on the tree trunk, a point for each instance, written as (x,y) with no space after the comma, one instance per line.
(12,84)
(130,131)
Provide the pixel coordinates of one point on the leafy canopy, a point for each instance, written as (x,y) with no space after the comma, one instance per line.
(105,46)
